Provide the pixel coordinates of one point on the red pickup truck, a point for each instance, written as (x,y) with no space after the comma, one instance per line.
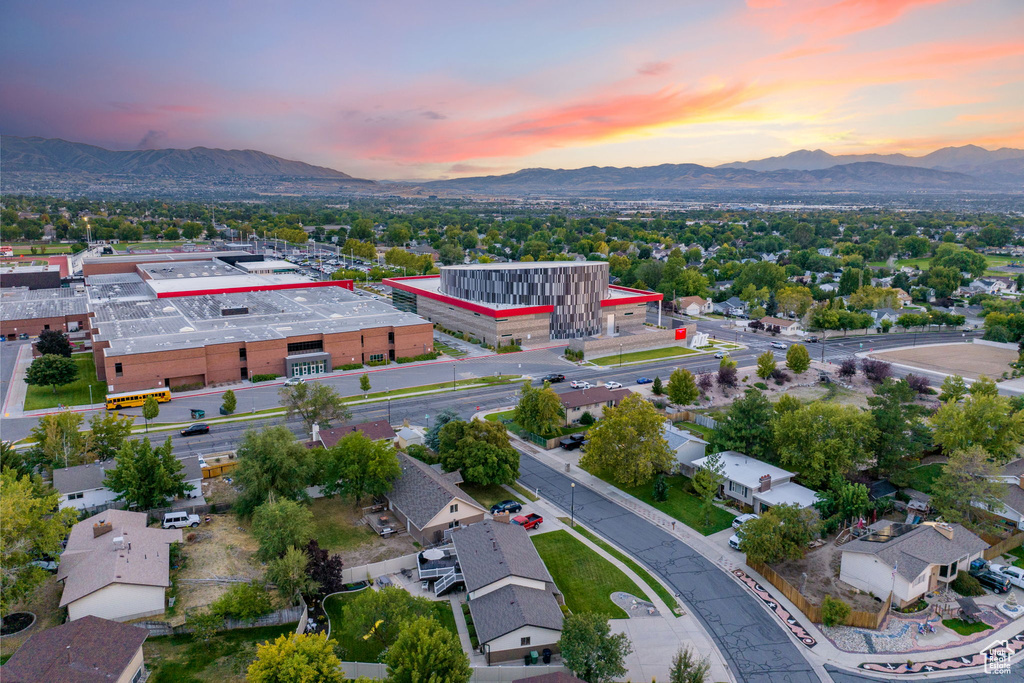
(528,521)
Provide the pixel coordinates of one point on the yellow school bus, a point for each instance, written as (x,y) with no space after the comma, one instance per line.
(136,398)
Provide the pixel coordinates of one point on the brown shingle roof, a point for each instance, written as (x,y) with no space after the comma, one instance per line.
(87,650)
(91,562)
(592,396)
(374,431)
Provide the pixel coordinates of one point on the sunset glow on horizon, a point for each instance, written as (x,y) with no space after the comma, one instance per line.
(409,90)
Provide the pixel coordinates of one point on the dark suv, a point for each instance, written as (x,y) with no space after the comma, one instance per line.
(572,442)
(506,506)
(198,428)
(553,378)
(994,581)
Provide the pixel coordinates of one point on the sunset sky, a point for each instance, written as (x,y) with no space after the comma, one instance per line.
(443,89)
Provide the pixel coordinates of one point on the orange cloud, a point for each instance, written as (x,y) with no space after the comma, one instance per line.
(830,20)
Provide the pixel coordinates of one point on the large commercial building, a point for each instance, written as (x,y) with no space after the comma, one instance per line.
(178,322)
(533,303)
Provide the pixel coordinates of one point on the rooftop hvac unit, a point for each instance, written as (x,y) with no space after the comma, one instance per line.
(235,310)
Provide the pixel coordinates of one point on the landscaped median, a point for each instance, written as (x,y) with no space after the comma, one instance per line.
(640,356)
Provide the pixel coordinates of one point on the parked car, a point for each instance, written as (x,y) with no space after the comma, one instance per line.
(572,442)
(293,381)
(998,583)
(734,541)
(721,354)
(506,506)
(579,384)
(553,378)
(613,385)
(743,519)
(644,380)
(978,566)
(179,519)
(528,521)
(47,565)
(1014,574)
(197,428)
(777,345)
(812,339)
(202,461)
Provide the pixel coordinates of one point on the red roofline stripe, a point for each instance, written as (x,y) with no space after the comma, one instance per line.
(345,284)
(643,296)
(396,283)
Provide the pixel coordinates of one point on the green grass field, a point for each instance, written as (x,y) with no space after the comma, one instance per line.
(74,394)
(586,579)
(922,478)
(703,432)
(333,526)
(52,249)
(488,495)
(359,650)
(653,354)
(479,381)
(680,505)
(176,659)
(662,592)
(563,431)
(124,246)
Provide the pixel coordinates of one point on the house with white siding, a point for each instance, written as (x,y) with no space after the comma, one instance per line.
(81,487)
(687,447)
(116,567)
(758,484)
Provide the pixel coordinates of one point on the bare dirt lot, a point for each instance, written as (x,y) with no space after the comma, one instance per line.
(817,575)
(219,548)
(966,360)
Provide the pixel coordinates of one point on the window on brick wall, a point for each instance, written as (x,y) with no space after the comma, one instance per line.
(118,369)
(376,357)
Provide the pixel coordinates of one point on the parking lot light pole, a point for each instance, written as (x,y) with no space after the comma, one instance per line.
(572,505)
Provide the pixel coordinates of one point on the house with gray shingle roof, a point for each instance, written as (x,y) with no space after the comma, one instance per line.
(428,500)
(909,560)
(511,595)
(81,487)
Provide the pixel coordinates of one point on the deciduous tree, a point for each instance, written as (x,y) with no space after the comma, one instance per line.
(324,569)
(539,409)
(628,443)
(480,450)
(150,410)
(382,614)
(145,477)
(682,389)
(280,524)
(229,402)
(314,402)
(110,432)
(289,573)
(364,383)
(706,481)
(358,467)
(60,441)
(968,481)
(271,461)
(980,420)
(32,527)
(591,651)
(51,371)
(782,532)
(822,439)
(53,343)
(427,651)
(296,658)
(797,359)
(765,365)
(903,432)
(747,427)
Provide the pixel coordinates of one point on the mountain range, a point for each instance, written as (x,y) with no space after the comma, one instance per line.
(39,165)
(54,156)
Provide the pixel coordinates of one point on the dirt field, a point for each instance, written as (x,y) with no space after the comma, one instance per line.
(966,360)
(220,548)
(821,567)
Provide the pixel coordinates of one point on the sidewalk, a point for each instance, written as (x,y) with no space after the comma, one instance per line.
(824,652)
(14,402)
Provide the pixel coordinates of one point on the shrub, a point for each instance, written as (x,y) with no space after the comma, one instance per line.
(656,388)
(966,585)
(660,405)
(660,491)
(243,601)
(230,401)
(780,376)
(919,384)
(848,368)
(876,371)
(705,382)
(511,348)
(761,385)
(264,378)
(188,387)
(727,376)
(586,419)
(573,355)
(375,363)
(421,453)
(346,366)
(413,359)
(834,611)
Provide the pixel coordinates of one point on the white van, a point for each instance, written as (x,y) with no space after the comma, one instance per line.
(179,520)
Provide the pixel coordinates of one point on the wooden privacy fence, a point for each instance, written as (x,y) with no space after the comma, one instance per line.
(871,620)
(1000,546)
(690,416)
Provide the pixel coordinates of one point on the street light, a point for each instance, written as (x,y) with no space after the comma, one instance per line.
(453,375)
(572,505)
(620,355)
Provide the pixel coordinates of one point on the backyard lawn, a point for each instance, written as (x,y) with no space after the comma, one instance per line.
(562,431)
(334,525)
(586,579)
(701,431)
(922,478)
(74,394)
(653,354)
(681,505)
(175,659)
(488,495)
(359,650)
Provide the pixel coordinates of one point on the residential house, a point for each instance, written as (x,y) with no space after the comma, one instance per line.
(786,326)
(829,287)
(428,501)
(825,251)
(510,593)
(687,447)
(880,314)
(731,306)
(758,484)
(1011,492)
(904,298)
(909,560)
(593,400)
(377,430)
(409,436)
(116,567)
(88,650)
(991,285)
(81,487)
(693,305)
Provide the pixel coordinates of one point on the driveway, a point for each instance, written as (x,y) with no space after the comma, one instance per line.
(753,642)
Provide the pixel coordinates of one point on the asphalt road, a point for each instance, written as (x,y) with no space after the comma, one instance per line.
(752,640)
